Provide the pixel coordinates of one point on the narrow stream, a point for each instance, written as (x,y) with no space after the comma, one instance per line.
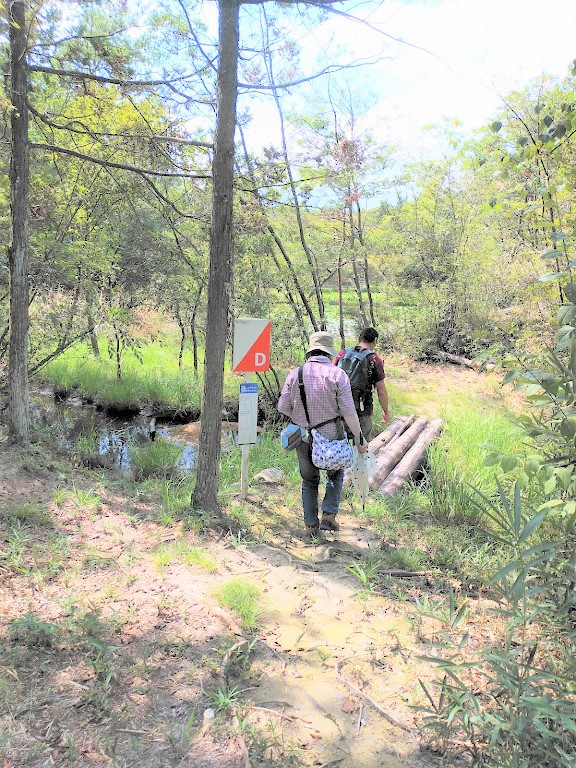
(75,426)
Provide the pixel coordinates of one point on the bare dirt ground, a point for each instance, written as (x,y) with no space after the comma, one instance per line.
(114,651)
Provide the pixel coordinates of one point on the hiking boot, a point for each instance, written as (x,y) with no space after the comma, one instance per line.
(314,534)
(329,523)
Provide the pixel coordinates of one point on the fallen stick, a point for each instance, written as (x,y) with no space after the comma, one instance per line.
(381,710)
(392,454)
(456,360)
(412,460)
(223,677)
(400,574)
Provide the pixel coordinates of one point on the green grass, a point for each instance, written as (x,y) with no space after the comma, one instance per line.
(456,462)
(160,459)
(243,597)
(153,377)
(266,453)
(183,552)
(437,523)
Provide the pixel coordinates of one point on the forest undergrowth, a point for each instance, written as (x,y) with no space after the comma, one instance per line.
(133,634)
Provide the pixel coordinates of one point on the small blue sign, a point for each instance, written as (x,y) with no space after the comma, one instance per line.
(249,389)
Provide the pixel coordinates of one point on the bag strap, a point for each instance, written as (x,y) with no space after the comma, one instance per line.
(305,403)
(303,393)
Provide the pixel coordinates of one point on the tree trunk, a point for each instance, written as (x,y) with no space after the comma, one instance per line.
(353,253)
(360,230)
(219,288)
(182,327)
(193,333)
(118,354)
(341,303)
(310,257)
(412,460)
(18,405)
(92,334)
(390,456)
(279,244)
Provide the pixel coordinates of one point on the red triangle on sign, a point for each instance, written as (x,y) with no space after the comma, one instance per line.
(258,356)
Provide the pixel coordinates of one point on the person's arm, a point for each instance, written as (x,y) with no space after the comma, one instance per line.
(285,401)
(353,423)
(383,399)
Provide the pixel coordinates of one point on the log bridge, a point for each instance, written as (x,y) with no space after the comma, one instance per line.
(400,451)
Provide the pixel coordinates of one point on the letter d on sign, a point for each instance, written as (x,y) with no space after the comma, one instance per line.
(259,359)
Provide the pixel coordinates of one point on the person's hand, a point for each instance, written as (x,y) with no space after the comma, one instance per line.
(362,448)
(384,417)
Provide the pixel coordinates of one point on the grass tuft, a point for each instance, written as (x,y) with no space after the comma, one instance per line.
(157,459)
(242,597)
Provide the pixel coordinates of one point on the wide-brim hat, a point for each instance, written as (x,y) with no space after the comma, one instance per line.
(323,341)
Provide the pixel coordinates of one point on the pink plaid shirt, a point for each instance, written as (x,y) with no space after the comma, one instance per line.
(328,394)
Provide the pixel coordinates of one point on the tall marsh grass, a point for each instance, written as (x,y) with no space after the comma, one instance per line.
(153,376)
(456,463)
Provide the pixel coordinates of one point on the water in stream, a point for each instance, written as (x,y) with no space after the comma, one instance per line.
(73,425)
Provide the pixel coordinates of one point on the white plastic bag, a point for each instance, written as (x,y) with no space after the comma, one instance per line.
(362,467)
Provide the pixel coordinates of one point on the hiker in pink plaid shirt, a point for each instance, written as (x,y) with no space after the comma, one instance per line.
(328,395)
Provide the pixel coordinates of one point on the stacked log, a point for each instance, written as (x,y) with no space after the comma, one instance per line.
(392,431)
(412,460)
(387,458)
(399,451)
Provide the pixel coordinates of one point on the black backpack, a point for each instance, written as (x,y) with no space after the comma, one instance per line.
(356,363)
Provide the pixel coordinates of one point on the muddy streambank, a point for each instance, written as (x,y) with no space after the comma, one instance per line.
(106,435)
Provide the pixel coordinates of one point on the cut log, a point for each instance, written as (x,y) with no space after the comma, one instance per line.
(386,437)
(392,431)
(391,455)
(456,359)
(412,460)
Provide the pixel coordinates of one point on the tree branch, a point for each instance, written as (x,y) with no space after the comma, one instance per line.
(331,68)
(77,37)
(88,132)
(121,166)
(111,80)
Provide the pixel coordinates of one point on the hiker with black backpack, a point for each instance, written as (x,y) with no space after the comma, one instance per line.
(365,370)
(318,396)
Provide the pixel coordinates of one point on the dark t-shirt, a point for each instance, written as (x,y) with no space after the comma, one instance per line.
(375,372)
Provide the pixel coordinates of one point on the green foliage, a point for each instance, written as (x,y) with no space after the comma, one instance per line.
(456,462)
(226,699)
(155,378)
(183,552)
(31,513)
(514,704)
(366,572)
(549,383)
(32,631)
(85,498)
(14,549)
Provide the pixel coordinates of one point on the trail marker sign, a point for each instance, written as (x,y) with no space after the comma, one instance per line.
(251,345)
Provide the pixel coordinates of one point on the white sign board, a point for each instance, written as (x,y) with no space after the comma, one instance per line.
(248,414)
